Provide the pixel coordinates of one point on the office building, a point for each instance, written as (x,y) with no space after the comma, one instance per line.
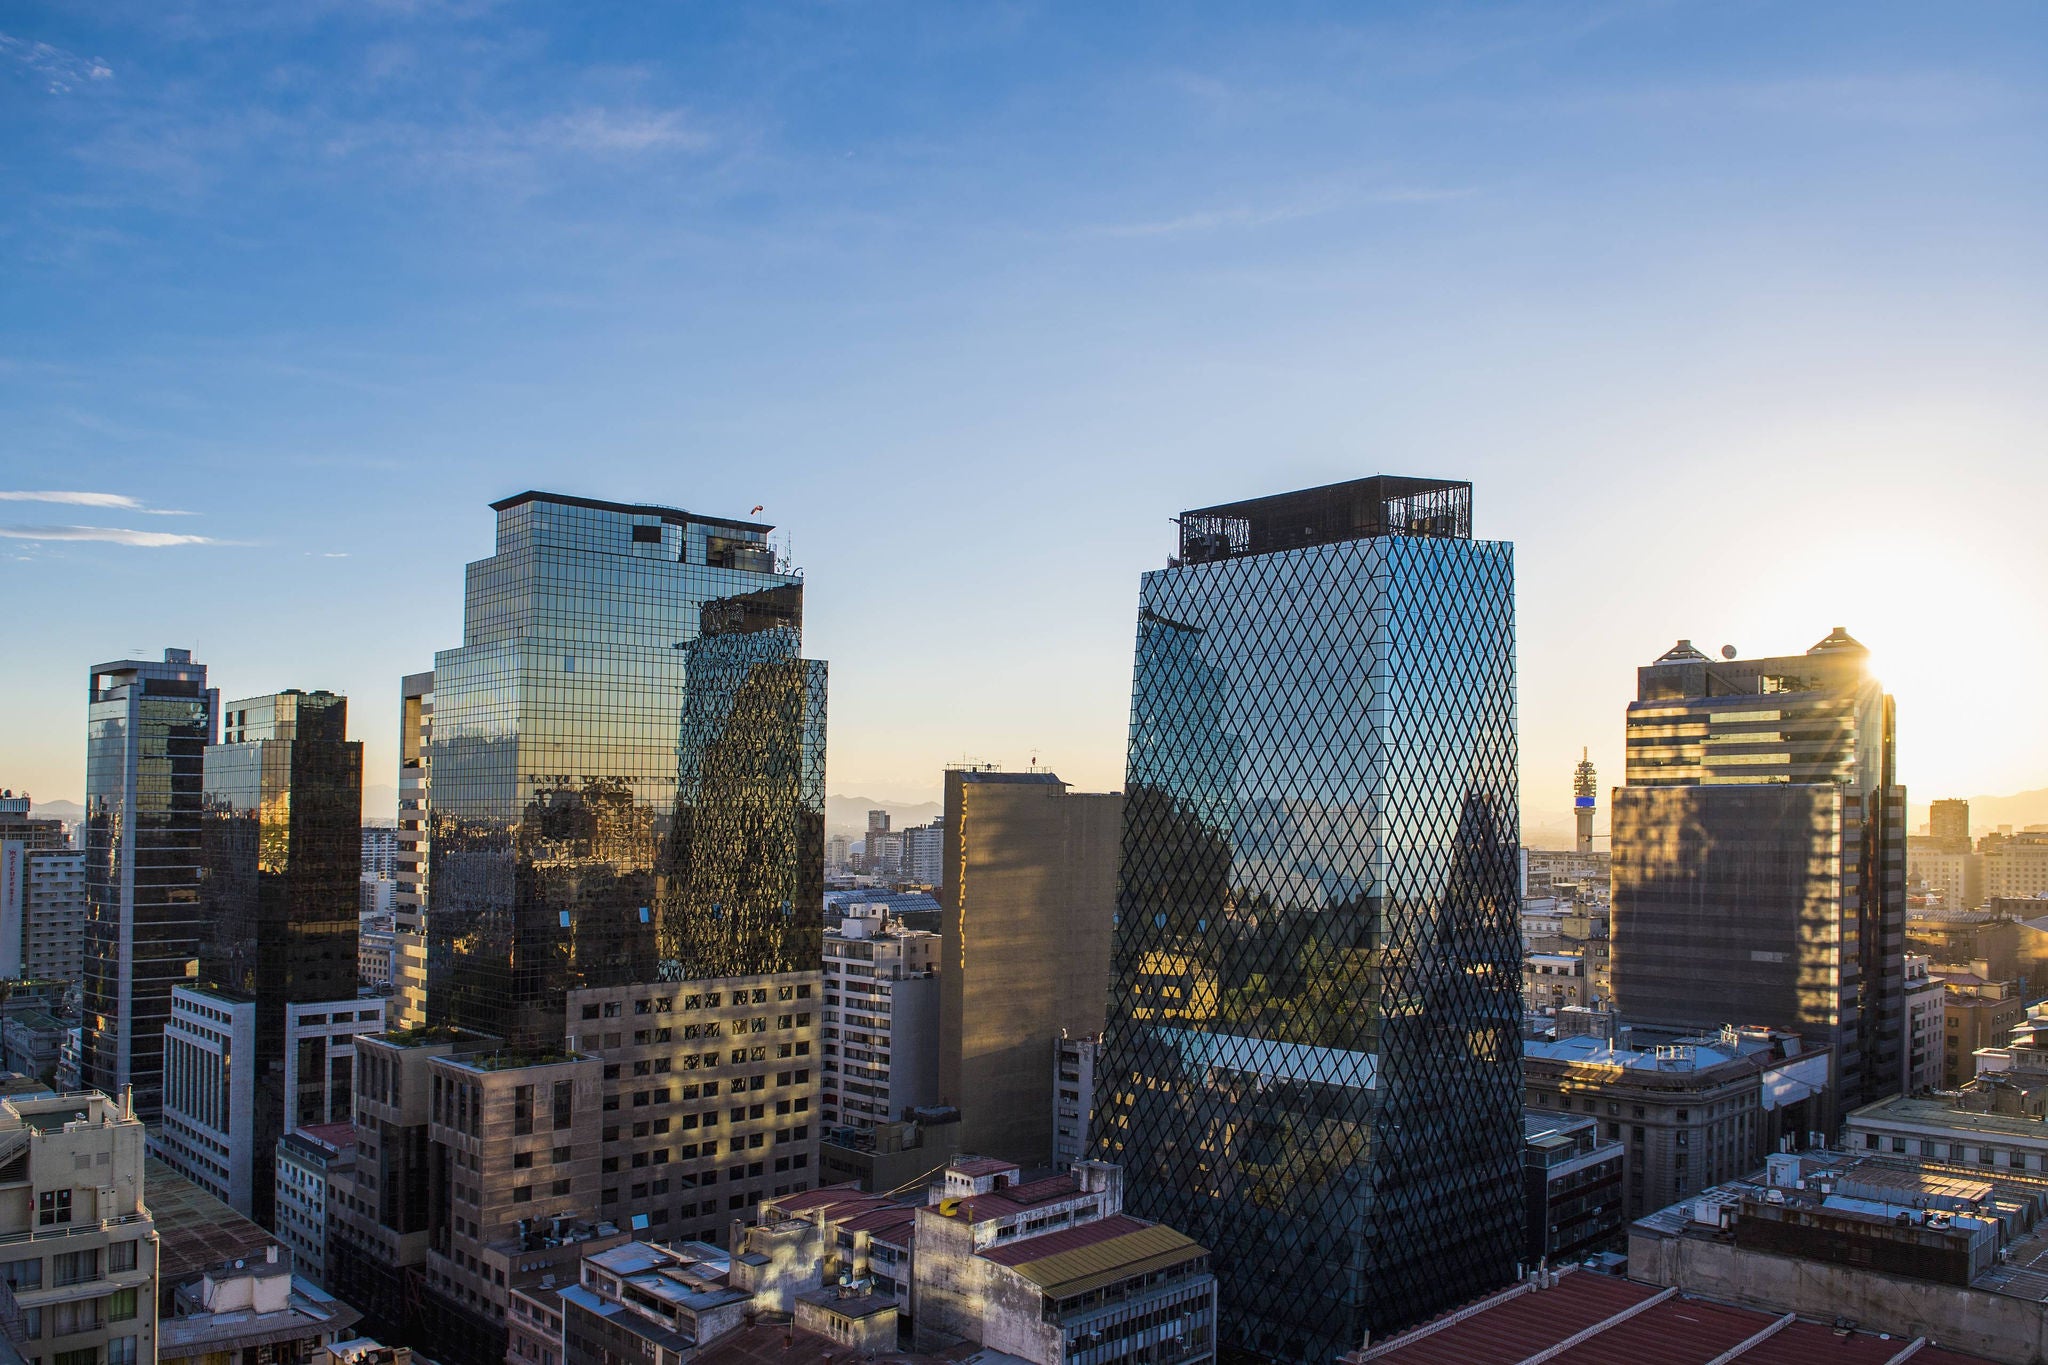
(1977,1012)
(881,1020)
(1028,891)
(2015,866)
(1949,820)
(1692,1111)
(308,1161)
(281,859)
(410,856)
(377,957)
(211,1056)
(147,729)
(79,1278)
(625,844)
(1572,1178)
(1759,854)
(380,850)
(556,804)
(1926,1027)
(42,896)
(1312,1060)
(921,853)
(1073,1099)
(1938,868)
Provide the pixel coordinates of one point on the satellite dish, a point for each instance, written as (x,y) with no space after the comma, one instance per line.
(1727,651)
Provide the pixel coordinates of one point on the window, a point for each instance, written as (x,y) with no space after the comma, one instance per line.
(76,1267)
(522,1161)
(53,1207)
(121,1305)
(522,1110)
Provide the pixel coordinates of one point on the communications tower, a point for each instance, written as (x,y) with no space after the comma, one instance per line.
(1583,800)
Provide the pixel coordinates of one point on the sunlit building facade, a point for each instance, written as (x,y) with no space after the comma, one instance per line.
(1312,1058)
(147,728)
(1759,855)
(562,853)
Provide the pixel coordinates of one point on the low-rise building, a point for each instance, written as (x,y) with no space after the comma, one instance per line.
(1977,1012)
(253,1310)
(1572,1180)
(78,1273)
(1924,1252)
(309,1160)
(1052,1271)
(1691,1111)
(1551,981)
(641,1302)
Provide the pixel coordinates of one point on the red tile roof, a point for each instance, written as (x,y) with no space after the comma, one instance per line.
(1511,1327)
(981,1165)
(1066,1239)
(333,1134)
(824,1194)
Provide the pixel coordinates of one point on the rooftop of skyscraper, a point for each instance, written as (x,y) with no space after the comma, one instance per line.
(639,509)
(1382,505)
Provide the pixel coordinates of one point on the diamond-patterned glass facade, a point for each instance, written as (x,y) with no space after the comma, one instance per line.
(1312,1063)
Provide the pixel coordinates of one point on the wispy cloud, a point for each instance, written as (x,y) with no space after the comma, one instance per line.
(58,71)
(1245,216)
(112,535)
(120,501)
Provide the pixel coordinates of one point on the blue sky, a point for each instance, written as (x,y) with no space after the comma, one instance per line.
(1734,313)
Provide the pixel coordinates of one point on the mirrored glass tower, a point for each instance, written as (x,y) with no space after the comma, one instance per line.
(147,728)
(1312,1063)
(554,755)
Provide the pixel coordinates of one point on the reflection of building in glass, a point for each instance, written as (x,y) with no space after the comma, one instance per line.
(1759,854)
(1028,889)
(553,753)
(742,887)
(1312,1061)
(281,847)
(147,728)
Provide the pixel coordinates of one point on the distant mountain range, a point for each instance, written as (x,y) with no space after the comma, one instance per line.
(848,815)
(57,810)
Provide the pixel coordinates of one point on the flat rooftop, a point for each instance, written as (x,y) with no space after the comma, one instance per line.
(675,515)
(1934,1111)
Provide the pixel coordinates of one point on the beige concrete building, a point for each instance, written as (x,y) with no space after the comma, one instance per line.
(1926,1025)
(1028,895)
(1976,1013)
(2015,865)
(881,1029)
(1690,1113)
(78,1274)
(1550,981)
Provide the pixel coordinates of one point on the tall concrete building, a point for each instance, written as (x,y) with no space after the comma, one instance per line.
(147,728)
(281,858)
(410,857)
(1950,820)
(1027,894)
(42,896)
(881,1019)
(1312,1059)
(1759,854)
(623,792)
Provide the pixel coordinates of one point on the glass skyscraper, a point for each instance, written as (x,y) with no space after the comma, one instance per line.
(281,858)
(1759,855)
(599,639)
(1312,1061)
(147,728)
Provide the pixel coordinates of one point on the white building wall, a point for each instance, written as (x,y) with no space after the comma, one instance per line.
(208,1132)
